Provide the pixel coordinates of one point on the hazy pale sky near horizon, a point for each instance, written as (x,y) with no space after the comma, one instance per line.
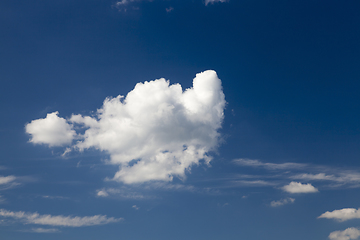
(157,120)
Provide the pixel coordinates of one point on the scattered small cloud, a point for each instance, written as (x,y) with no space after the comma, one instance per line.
(169,9)
(55,197)
(298,187)
(214,1)
(278,173)
(135,207)
(43,230)
(6,180)
(156,132)
(271,166)
(52,130)
(124,5)
(341,177)
(146,190)
(255,183)
(67,150)
(282,202)
(122,192)
(59,220)
(102,193)
(122,2)
(342,214)
(9,182)
(347,234)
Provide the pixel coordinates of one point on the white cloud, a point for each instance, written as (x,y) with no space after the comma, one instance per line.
(340,176)
(147,190)
(156,132)
(297,187)
(55,197)
(254,183)
(6,180)
(123,193)
(342,214)
(319,176)
(135,207)
(214,1)
(122,2)
(52,130)
(102,193)
(44,230)
(63,221)
(325,176)
(272,166)
(347,234)
(282,202)
(169,9)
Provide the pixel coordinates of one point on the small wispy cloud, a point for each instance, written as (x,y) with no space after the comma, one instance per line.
(124,4)
(214,1)
(298,187)
(6,180)
(342,214)
(143,191)
(123,193)
(347,234)
(169,9)
(102,193)
(282,202)
(271,166)
(43,230)
(255,183)
(326,176)
(55,197)
(59,220)
(342,177)
(135,207)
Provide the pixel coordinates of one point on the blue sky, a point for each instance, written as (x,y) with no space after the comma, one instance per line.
(238,120)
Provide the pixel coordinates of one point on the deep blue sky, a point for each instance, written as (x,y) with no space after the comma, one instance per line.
(290,74)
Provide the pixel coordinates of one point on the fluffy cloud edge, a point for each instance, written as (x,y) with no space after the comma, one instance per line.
(156,132)
(298,187)
(51,130)
(347,234)
(207,2)
(7,179)
(282,202)
(342,215)
(58,220)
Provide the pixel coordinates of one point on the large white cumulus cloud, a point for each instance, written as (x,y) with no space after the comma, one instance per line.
(156,132)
